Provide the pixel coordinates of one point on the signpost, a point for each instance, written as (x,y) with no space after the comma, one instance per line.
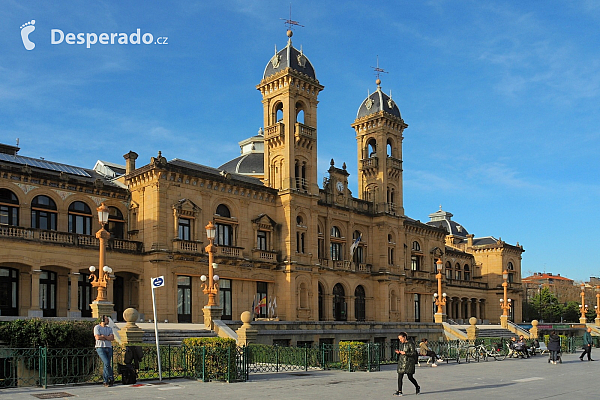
(156,283)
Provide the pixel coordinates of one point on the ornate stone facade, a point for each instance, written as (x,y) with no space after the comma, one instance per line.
(315,253)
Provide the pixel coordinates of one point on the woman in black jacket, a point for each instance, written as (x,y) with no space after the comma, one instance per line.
(406,362)
(553,346)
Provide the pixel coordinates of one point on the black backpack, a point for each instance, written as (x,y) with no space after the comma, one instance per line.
(416,356)
(128,372)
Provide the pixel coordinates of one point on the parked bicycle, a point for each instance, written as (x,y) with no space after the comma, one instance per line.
(481,352)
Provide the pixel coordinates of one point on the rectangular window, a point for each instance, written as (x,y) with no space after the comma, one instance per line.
(224,235)
(415,263)
(417,307)
(336,251)
(390,255)
(225,298)
(184,229)
(261,240)
(261,296)
(457,275)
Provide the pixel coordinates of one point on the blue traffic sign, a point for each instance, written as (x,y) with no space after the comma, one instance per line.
(158,282)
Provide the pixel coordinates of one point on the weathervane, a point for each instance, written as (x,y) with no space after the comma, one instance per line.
(378,71)
(290,22)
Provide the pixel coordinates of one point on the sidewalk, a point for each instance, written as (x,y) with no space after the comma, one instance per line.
(532,378)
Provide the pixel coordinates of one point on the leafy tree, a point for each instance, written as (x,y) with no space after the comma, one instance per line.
(546,305)
(571,311)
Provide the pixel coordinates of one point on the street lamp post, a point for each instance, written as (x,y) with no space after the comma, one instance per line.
(101,306)
(439,297)
(597,306)
(505,303)
(583,307)
(210,284)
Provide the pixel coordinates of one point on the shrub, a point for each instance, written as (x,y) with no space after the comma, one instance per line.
(353,355)
(209,357)
(26,333)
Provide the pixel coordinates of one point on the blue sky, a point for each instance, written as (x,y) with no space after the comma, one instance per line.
(501,99)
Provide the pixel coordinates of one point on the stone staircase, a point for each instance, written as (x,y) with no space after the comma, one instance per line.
(175,336)
(494,331)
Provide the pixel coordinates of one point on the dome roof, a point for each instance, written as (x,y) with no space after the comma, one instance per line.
(246,164)
(289,57)
(378,101)
(251,162)
(443,219)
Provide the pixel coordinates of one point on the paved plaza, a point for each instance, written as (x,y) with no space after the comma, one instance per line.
(509,379)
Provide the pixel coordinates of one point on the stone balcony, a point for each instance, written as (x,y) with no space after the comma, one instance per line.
(66,238)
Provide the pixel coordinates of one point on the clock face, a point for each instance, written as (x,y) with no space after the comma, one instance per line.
(340,186)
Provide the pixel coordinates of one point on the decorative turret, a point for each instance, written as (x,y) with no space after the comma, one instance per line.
(290,89)
(379,128)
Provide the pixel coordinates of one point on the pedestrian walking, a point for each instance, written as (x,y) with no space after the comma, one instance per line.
(587,345)
(104,337)
(407,354)
(553,346)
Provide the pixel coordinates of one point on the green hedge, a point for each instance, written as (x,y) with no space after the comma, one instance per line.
(27,333)
(353,355)
(212,358)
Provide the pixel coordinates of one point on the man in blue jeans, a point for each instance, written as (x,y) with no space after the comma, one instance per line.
(104,337)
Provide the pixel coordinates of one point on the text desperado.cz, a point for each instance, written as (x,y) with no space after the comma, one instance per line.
(57,37)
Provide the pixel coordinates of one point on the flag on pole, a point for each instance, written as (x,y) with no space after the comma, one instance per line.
(274,306)
(355,245)
(270,309)
(254,306)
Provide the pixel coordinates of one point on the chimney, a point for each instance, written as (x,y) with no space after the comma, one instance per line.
(130,162)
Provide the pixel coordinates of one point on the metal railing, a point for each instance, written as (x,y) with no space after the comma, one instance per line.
(45,367)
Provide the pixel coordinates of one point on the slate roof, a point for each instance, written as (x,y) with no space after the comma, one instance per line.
(378,101)
(289,57)
(250,163)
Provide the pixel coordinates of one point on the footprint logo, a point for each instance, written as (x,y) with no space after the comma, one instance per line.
(26,29)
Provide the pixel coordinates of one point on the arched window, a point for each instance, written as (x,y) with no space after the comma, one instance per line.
(359,303)
(299,113)
(223,211)
(511,272)
(389,149)
(416,246)
(339,303)
(336,244)
(9,208)
(279,112)
(80,218)
(457,272)
(467,271)
(448,270)
(116,223)
(224,235)
(372,148)
(43,213)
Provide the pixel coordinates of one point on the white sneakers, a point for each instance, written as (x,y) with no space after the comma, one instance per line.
(434,365)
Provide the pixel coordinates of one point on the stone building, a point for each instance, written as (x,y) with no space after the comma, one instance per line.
(316,253)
